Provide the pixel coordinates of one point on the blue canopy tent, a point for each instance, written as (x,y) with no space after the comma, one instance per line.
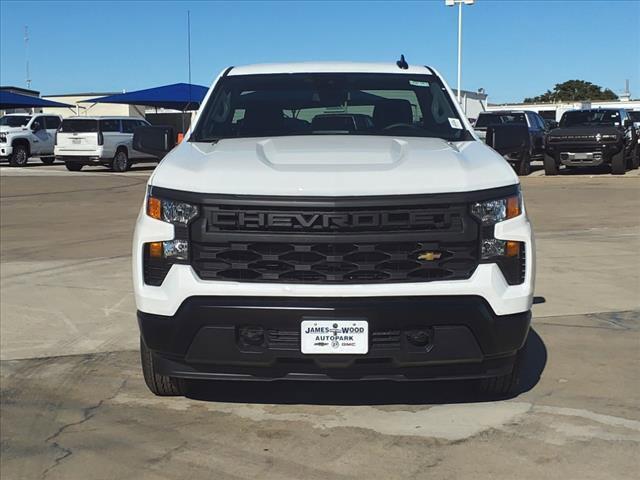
(15,100)
(179,96)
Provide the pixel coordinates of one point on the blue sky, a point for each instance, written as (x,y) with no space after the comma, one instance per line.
(513,48)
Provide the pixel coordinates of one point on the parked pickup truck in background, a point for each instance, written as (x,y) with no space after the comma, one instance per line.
(23,135)
(588,138)
(519,136)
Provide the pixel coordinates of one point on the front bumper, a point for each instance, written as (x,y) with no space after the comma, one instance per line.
(466,338)
(583,155)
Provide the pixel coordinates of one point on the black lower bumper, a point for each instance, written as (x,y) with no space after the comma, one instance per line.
(465,338)
(587,155)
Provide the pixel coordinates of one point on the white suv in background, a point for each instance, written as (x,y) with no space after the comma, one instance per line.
(99,140)
(23,135)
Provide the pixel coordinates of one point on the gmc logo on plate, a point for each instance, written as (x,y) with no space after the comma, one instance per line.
(221,220)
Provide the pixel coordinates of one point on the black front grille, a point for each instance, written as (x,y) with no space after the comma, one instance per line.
(362,262)
(355,241)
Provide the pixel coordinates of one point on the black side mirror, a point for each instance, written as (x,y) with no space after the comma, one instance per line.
(627,123)
(36,126)
(154,140)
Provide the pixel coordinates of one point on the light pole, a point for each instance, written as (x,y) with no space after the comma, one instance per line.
(451,3)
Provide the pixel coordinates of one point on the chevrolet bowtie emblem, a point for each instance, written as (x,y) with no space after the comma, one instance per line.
(429,256)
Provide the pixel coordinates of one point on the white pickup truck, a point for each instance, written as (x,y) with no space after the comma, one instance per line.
(23,135)
(331,221)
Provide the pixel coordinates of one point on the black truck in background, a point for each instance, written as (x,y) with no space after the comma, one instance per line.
(518,135)
(593,137)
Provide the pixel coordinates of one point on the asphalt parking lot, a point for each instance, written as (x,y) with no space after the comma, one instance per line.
(74,404)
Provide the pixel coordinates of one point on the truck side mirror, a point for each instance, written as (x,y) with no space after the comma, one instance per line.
(155,140)
(36,126)
(627,123)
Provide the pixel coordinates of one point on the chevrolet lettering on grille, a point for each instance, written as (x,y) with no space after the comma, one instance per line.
(224,220)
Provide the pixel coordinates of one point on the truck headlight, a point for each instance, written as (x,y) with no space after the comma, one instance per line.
(171,211)
(491,212)
(508,254)
(159,256)
(3,138)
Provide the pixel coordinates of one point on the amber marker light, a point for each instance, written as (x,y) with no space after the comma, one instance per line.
(513,206)
(512,249)
(154,208)
(155,250)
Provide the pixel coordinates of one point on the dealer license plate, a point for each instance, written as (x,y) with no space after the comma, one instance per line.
(334,336)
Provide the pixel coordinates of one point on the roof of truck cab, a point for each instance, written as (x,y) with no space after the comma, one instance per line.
(328,67)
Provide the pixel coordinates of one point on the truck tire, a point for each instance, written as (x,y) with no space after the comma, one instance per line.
(550,165)
(618,164)
(503,385)
(160,385)
(73,166)
(120,162)
(524,165)
(47,160)
(19,157)
(635,158)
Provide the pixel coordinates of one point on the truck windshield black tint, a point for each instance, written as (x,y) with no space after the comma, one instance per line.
(486,119)
(580,118)
(336,104)
(14,120)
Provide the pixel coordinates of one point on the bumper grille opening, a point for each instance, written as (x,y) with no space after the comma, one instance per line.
(154,270)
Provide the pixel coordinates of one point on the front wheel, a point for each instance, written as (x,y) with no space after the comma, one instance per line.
(159,384)
(618,164)
(635,158)
(120,162)
(19,157)
(524,165)
(550,165)
(503,385)
(47,160)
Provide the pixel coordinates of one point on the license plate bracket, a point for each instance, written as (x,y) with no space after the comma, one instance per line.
(337,336)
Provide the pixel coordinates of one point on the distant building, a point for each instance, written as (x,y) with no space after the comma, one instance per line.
(81,108)
(473,102)
(553,111)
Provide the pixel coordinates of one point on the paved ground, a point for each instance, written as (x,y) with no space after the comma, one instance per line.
(74,404)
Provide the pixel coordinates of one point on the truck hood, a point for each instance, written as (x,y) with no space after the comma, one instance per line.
(332,165)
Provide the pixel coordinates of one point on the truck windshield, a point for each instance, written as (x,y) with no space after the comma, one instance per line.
(486,119)
(14,120)
(338,104)
(583,118)
(73,125)
(634,116)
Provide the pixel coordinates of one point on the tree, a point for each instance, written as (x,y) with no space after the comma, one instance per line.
(573,90)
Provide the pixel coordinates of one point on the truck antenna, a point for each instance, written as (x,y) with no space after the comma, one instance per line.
(26,54)
(402,63)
